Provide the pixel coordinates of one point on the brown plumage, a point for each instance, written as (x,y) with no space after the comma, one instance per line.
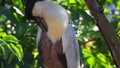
(51,53)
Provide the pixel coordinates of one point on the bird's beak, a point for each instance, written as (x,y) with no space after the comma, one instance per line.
(42,24)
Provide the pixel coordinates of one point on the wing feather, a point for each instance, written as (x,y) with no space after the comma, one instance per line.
(71,48)
(39,32)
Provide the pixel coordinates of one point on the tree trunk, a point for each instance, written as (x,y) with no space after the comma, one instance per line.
(105,29)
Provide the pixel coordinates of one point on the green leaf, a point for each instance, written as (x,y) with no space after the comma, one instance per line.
(1,29)
(2,50)
(17,66)
(95,59)
(101,57)
(20,49)
(2,42)
(16,51)
(2,34)
(10,48)
(71,1)
(18,3)
(10,58)
(10,38)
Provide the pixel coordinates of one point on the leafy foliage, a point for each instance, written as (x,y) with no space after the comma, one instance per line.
(17,35)
(10,48)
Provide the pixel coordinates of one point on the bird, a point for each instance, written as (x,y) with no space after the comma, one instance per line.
(57,44)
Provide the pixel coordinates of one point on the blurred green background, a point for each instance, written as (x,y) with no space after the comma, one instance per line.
(18,35)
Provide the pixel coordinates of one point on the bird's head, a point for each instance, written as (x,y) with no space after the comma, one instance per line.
(32,10)
(29,7)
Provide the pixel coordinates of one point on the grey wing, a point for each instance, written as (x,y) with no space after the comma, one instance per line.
(39,32)
(71,48)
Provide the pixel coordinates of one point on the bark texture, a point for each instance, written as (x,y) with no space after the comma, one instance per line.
(105,29)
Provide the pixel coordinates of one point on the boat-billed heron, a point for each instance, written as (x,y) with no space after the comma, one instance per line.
(56,39)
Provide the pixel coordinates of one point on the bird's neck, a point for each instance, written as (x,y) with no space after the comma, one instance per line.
(56,30)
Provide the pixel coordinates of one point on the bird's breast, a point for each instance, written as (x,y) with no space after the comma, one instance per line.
(52,57)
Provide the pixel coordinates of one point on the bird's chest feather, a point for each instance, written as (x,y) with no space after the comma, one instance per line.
(51,54)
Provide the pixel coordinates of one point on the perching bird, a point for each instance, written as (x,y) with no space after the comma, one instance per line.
(55,38)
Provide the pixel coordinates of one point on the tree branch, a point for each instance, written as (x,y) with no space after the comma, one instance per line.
(105,29)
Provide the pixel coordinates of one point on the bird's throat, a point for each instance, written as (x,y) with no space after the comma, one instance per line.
(55,31)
